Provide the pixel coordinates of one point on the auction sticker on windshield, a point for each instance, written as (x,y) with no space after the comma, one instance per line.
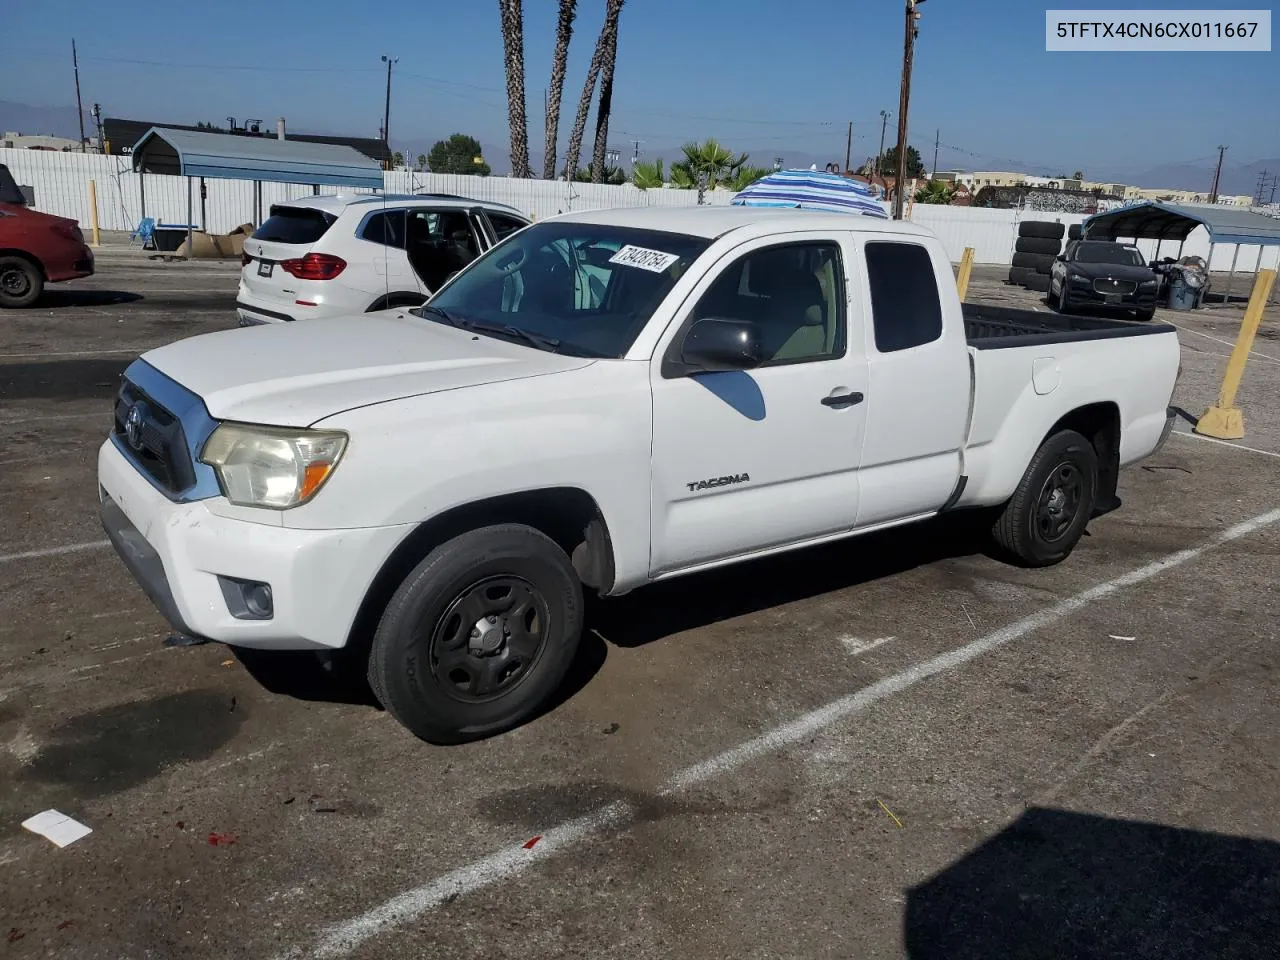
(653,260)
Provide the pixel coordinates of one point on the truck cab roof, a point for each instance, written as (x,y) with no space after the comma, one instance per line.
(712,223)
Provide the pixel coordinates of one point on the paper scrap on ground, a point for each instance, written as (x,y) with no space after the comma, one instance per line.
(855,646)
(57,827)
(1114,637)
(654,261)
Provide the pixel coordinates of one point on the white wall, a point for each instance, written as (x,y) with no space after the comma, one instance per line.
(61,187)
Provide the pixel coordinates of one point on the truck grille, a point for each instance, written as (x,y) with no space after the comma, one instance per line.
(1114,286)
(152,438)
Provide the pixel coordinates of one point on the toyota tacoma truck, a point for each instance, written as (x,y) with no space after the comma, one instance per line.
(603,400)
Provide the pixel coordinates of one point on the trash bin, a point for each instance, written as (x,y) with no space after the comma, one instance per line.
(1182,296)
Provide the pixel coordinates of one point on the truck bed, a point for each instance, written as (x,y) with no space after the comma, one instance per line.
(994,328)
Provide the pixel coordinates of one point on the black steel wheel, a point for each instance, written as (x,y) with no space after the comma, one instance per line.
(1059,501)
(20,282)
(489,638)
(1064,301)
(479,635)
(1053,503)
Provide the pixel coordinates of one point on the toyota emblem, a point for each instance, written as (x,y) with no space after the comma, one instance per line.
(133,426)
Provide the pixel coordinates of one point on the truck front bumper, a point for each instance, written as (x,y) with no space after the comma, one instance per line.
(187,558)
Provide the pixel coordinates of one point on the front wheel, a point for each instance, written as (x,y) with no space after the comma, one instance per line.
(1047,514)
(20,282)
(1064,304)
(479,635)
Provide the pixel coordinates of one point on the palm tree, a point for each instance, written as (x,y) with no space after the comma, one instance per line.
(422,161)
(648,175)
(709,159)
(612,12)
(935,191)
(746,176)
(588,90)
(559,63)
(512,12)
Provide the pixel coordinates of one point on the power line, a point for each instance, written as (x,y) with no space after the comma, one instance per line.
(234,66)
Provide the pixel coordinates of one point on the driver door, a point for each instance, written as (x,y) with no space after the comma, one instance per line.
(747,460)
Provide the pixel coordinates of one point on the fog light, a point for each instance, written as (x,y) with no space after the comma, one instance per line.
(247,599)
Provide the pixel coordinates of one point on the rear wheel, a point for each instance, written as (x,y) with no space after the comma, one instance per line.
(479,636)
(20,282)
(1045,518)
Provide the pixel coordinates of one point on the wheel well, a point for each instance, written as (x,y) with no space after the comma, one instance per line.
(392,300)
(23,255)
(567,515)
(1100,423)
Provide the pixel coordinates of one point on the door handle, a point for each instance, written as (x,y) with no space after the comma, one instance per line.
(841,400)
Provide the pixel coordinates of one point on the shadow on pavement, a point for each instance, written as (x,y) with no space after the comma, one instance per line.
(686,603)
(56,297)
(1061,884)
(63,380)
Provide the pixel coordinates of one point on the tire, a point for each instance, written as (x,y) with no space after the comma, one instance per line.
(1038,282)
(1063,303)
(1038,245)
(21,282)
(1039,262)
(1052,505)
(1047,229)
(1019,275)
(1073,232)
(1145,315)
(484,574)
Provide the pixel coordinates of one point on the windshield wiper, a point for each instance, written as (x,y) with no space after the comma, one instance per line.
(440,312)
(517,333)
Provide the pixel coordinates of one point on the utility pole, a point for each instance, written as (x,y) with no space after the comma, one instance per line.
(936,141)
(75,63)
(1213,194)
(904,100)
(1258,190)
(848,147)
(386,117)
(635,153)
(97,119)
(884,122)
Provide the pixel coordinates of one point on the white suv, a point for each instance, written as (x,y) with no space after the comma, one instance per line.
(333,255)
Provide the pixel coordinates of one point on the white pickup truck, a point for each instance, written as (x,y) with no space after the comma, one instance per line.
(604,399)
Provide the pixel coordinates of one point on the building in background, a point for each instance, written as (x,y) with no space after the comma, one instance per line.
(24,141)
(120,135)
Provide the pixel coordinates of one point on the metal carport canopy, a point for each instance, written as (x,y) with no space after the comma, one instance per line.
(1166,221)
(226,156)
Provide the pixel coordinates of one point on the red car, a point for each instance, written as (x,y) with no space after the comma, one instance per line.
(35,248)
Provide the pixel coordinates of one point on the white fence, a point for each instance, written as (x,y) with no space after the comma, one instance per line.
(61,185)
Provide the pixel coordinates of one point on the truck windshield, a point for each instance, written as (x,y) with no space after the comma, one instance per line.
(1097,252)
(577,288)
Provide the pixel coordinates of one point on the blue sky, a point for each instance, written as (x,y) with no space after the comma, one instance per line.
(761,75)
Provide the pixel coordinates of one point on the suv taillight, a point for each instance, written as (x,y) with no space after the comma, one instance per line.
(314,266)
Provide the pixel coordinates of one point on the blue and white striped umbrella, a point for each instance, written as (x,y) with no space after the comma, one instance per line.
(811,190)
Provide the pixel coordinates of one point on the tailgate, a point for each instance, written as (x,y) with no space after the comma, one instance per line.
(288,234)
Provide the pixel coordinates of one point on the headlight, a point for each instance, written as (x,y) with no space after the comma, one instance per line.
(1077,278)
(275,467)
(1149,284)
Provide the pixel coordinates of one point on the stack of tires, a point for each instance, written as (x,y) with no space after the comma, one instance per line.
(1038,243)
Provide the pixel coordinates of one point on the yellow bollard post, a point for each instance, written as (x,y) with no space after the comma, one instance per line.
(1224,420)
(93,212)
(966,268)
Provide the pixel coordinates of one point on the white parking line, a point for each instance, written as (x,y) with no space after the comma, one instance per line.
(1229,343)
(342,938)
(61,416)
(54,551)
(1224,443)
(66,353)
(856,648)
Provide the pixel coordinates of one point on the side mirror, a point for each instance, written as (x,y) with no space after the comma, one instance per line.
(1061,258)
(717,344)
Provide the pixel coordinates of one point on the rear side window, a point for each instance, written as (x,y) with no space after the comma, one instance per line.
(504,226)
(905,308)
(385,228)
(294,225)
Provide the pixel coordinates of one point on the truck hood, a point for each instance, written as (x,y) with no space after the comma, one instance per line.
(295,374)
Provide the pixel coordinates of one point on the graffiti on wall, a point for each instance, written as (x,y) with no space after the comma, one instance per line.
(1042,199)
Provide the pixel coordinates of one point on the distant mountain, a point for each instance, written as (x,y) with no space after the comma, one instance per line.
(41,121)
